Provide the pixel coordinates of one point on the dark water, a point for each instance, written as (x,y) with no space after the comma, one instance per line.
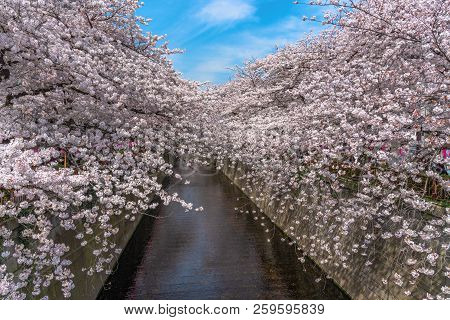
(219,253)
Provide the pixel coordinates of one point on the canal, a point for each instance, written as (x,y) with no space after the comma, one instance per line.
(220,253)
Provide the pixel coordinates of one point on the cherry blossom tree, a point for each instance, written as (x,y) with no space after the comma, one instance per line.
(346,129)
(89,107)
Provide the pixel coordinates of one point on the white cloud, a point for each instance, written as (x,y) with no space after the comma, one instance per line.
(217,59)
(226,11)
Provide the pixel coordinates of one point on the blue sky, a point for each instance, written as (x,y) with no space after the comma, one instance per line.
(220,34)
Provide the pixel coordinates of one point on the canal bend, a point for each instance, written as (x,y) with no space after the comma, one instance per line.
(220,253)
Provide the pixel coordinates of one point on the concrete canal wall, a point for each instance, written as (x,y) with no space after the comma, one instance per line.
(358,280)
(86,287)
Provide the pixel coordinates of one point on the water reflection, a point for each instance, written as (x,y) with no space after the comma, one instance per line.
(215,254)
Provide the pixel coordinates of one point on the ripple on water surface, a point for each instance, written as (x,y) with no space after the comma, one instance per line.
(219,253)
